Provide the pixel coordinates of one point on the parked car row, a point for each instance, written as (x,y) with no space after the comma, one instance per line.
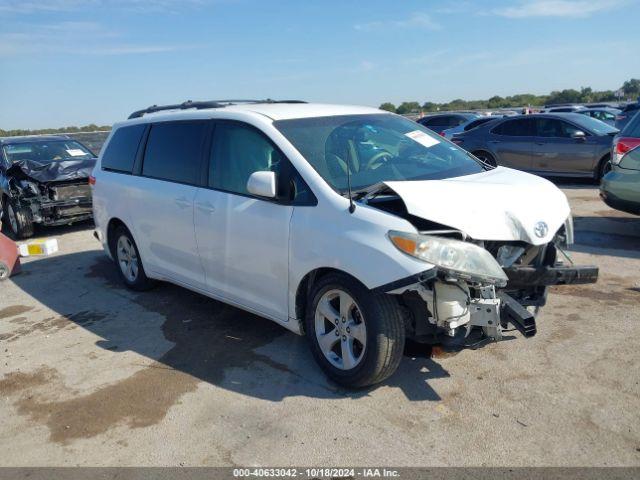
(568,140)
(560,144)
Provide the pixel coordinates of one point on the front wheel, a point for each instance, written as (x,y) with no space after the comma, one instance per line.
(19,218)
(356,336)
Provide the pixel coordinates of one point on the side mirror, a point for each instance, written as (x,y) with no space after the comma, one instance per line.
(262,184)
(579,135)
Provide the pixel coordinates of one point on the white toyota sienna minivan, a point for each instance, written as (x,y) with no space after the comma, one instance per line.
(356,227)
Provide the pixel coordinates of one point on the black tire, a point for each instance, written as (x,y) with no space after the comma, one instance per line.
(19,219)
(385,332)
(486,157)
(4,271)
(604,167)
(139,282)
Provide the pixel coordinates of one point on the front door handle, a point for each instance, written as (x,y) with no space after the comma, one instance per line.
(205,207)
(182,202)
(494,141)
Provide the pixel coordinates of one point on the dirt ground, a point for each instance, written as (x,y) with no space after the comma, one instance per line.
(93,374)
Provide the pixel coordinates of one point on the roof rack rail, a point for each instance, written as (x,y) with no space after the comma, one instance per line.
(202,105)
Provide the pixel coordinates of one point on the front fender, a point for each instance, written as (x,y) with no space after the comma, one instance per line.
(356,244)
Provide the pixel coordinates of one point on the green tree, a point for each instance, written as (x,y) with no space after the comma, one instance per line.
(408,107)
(430,107)
(631,88)
(388,106)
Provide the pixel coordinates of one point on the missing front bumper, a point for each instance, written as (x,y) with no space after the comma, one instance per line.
(527,277)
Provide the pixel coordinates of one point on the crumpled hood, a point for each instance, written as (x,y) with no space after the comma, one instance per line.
(58,171)
(499,204)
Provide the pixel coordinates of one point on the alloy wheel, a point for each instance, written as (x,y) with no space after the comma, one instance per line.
(13,221)
(340,329)
(127,258)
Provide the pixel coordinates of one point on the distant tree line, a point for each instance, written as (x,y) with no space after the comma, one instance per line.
(630,90)
(47,131)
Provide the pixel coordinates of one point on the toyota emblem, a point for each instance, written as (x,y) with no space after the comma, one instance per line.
(541,229)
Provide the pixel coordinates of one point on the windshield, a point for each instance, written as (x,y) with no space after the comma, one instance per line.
(47,151)
(375,148)
(596,126)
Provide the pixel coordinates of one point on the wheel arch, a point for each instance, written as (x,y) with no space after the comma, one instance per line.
(304,288)
(485,151)
(113,224)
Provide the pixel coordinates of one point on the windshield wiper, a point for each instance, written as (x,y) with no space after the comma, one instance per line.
(370,191)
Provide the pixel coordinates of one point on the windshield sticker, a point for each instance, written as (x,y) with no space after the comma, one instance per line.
(422,138)
(75,152)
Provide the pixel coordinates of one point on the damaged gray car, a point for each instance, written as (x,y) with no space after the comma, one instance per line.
(44,180)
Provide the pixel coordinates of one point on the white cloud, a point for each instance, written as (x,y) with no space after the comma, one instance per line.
(416,20)
(75,38)
(558,8)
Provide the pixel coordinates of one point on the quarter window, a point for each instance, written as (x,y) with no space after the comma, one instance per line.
(120,154)
(174,151)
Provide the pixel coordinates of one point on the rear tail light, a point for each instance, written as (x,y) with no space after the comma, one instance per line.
(92,180)
(622,146)
(441,133)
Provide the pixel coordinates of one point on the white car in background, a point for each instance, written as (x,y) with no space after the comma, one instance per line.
(356,227)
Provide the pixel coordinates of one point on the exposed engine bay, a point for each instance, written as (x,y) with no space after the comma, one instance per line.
(445,307)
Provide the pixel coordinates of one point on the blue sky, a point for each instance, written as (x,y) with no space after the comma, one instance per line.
(73,62)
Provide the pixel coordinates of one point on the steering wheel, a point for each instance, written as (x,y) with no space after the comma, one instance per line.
(378,157)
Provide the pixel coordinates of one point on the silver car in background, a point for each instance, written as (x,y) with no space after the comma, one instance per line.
(556,144)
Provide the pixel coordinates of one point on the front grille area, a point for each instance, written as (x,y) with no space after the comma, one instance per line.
(70,191)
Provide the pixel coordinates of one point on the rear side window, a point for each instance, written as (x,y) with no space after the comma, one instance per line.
(174,151)
(120,154)
(522,127)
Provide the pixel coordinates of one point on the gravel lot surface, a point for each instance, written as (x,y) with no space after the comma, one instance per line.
(93,374)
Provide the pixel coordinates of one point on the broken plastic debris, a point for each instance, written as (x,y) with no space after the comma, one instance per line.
(38,247)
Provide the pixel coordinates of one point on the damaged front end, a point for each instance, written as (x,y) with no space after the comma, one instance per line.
(50,194)
(477,290)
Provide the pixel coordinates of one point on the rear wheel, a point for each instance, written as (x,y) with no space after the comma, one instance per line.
(127,258)
(357,337)
(604,167)
(19,219)
(486,157)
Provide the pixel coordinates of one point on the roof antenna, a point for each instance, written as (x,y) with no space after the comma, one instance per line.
(352,206)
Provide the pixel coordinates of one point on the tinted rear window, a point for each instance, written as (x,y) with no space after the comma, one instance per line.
(174,150)
(120,154)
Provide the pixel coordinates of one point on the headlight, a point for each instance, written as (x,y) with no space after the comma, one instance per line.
(460,259)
